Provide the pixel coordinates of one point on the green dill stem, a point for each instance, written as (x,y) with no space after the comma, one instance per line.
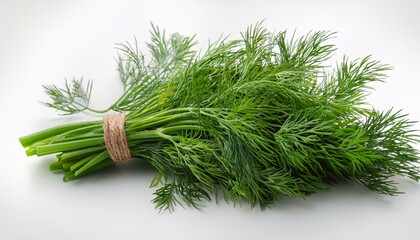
(80,163)
(155,121)
(69,176)
(98,111)
(77,154)
(147,105)
(56,166)
(180,128)
(182,122)
(151,135)
(35,137)
(68,146)
(66,166)
(97,159)
(30,151)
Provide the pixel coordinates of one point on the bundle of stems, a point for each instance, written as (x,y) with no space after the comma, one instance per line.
(254,119)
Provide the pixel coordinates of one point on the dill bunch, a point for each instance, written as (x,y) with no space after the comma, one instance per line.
(255,119)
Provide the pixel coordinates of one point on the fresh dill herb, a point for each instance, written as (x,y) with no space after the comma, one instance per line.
(73,98)
(255,119)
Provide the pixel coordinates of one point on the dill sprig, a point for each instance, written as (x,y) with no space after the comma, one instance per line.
(255,119)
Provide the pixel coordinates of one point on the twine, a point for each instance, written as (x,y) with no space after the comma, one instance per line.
(116,138)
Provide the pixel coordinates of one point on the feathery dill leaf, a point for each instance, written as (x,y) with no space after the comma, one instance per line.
(73,98)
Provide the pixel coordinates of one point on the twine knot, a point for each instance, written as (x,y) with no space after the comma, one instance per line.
(116,138)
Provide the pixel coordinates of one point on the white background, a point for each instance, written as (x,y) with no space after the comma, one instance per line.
(42,42)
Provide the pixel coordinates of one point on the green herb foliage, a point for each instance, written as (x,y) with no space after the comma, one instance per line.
(253,119)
